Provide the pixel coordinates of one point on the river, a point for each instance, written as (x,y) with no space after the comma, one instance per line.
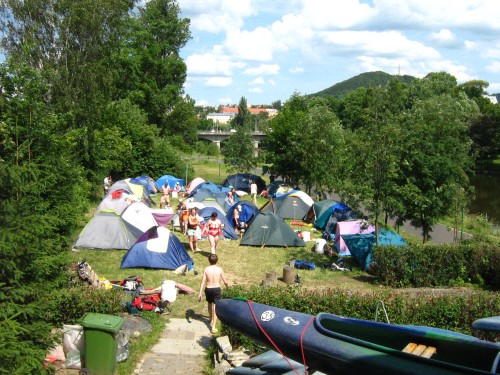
(487,199)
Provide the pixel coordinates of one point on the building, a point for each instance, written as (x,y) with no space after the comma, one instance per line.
(221,118)
(271,112)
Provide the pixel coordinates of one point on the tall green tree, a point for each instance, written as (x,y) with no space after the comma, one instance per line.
(436,158)
(39,179)
(238,151)
(243,117)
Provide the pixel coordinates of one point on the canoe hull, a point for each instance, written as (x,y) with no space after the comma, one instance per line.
(329,352)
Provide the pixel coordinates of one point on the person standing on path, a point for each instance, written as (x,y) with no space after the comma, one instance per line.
(253,191)
(213,292)
(106,184)
(214,230)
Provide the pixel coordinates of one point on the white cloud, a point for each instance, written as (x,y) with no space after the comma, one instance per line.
(491,51)
(494,88)
(297,69)
(216,15)
(224,100)
(209,64)
(255,90)
(263,69)
(219,81)
(494,67)
(257,81)
(386,43)
(322,14)
(256,45)
(202,102)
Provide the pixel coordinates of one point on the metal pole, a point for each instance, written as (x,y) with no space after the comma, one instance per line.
(187,165)
(462,230)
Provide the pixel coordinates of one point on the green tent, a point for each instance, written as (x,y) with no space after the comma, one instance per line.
(268,229)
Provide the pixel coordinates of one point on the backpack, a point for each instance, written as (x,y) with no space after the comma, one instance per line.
(150,302)
(304,265)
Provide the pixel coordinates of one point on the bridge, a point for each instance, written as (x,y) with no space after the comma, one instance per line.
(217,136)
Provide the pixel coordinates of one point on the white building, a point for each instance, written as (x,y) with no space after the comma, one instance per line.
(221,118)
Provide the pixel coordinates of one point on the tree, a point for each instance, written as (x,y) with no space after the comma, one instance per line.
(238,151)
(373,164)
(436,158)
(304,143)
(242,119)
(39,179)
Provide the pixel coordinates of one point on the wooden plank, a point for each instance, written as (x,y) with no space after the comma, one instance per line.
(429,352)
(419,350)
(410,347)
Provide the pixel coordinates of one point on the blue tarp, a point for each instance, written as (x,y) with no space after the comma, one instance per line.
(150,186)
(247,211)
(361,245)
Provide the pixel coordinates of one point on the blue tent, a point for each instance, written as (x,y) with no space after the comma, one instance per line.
(171,181)
(149,184)
(228,229)
(361,245)
(206,186)
(247,211)
(200,195)
(157,248)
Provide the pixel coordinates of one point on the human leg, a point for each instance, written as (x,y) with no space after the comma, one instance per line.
(211,240)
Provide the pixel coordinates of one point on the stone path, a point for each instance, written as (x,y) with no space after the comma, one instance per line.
(180,350)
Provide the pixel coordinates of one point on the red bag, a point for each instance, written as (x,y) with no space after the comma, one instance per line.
(150,302)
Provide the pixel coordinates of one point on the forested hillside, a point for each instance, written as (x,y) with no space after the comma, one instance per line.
(370,79)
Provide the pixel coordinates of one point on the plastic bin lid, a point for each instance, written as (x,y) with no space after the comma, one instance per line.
(105,322)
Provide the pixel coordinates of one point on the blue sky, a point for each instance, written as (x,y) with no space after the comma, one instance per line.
(267,50)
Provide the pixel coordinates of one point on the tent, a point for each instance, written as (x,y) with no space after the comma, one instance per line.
(278,188)
(107,230)
(294,205)
(247,211)
(241,181)
(157,248)
(361,245)
(203,194)
(268,229)
(228,229)
(134,188)
(117,201)
(318,209)
(148,183)
(333,214)
(171,181)
(350,227)
(213,203)
(210,186)
(193,184)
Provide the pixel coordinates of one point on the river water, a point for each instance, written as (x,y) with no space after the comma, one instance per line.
(487,200)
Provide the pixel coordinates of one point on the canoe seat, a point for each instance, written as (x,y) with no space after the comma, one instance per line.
(420,350)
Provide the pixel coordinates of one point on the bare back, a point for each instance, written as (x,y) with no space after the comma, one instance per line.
(213,274)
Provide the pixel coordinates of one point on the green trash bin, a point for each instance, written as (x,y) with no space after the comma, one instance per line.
(100,332)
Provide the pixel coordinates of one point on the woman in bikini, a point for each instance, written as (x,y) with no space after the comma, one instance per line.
(184,216)
(214,230)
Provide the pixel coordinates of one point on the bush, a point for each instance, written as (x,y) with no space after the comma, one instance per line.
(438,265)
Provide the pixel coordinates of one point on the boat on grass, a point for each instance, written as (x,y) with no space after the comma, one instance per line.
(338,345)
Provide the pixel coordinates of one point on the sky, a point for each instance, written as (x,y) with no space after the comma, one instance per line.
(268,50)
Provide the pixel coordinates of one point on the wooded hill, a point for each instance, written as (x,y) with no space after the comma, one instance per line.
(370,79)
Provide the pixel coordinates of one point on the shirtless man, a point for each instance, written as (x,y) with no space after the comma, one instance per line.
(213,292)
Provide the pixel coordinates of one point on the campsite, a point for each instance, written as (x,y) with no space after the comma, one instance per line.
(245,258)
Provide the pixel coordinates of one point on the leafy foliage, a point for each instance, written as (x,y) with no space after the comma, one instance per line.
(438,265)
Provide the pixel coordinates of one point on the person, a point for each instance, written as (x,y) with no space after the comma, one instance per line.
(229,199)
(213,292)
(184,216)
(106,184)
(214,230)
(193,223)
(253,191)
(165,197)
(177,186)
(239,225)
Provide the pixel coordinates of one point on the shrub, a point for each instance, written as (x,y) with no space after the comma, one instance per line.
(438,265)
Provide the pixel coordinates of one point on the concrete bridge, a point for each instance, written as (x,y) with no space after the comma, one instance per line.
(217,136)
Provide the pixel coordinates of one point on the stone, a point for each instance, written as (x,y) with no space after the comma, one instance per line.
(224,344)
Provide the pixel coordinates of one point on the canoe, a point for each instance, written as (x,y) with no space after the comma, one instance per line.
(338,345)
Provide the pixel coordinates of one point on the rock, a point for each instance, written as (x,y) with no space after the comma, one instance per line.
(224,344)
(236,356)
(222,367)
